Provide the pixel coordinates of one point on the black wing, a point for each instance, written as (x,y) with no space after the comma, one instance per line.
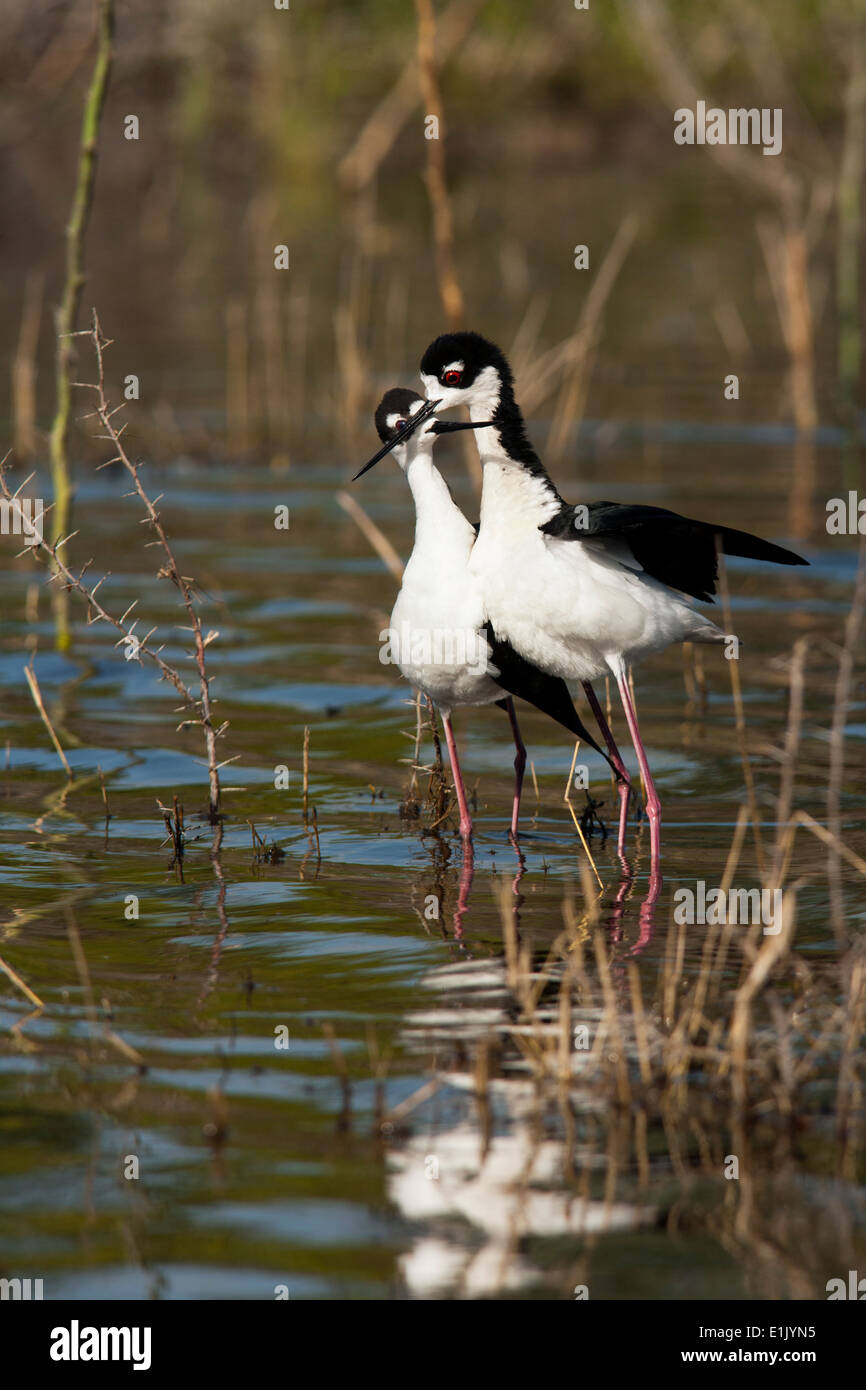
(548,693)
(674,549)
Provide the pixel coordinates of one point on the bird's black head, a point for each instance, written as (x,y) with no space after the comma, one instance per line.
(402,415)
(395,410)
(466,369)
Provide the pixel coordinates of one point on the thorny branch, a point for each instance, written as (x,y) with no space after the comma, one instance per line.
(200,704)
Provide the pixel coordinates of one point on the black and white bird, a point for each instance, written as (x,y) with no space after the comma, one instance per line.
(439,636)
(580,592)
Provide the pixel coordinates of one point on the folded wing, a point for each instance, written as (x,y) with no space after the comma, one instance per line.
(673,549)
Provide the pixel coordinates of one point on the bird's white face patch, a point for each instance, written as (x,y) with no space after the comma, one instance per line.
(482,395)
(420,441)
(432,389)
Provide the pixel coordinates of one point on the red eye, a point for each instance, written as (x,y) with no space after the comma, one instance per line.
(400,425)
(452,378)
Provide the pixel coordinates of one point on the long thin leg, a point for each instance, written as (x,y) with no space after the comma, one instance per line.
(519,764)
(653,805)
(624,786)
(465,818)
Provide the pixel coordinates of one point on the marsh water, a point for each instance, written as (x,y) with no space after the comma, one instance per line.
(356,1161)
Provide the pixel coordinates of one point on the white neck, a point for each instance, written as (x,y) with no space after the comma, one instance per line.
(439,522)
(512,498)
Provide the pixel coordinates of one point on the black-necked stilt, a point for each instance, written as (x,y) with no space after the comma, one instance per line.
(579,591)
(439,636)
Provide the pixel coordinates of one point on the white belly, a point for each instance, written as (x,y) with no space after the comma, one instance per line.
(573,613)
(437,641)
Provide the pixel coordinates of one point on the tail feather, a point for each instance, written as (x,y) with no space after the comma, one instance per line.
(754,548)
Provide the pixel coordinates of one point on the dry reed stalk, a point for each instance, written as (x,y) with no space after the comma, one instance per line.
(378,540)
(379,133)
(276,386)
(788,760)
(43,713)
(786,256)
(572,396)
(67,312)
(848,201)
(505,903)
(740,716)
(614,1025)
(298,330)
(351,359)
(566,796)
(786,239)
(841,703)
(24,367)
(640,1024)
(772,951)
(524,345)
(237,378)
(710,974)
(829,839)
(20,984)
(83,972)
(849,1090)
(437,184)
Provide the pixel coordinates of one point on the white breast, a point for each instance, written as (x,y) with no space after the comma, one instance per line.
(436,638)
(568,606)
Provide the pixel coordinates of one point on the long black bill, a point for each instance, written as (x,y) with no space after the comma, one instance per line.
(440,427)
(408,429)
(451,426)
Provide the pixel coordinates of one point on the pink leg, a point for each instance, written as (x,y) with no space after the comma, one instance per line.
(519,765)
(465,818)
(653,805)
(623,787)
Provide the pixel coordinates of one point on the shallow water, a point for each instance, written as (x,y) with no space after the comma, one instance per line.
(359,1162)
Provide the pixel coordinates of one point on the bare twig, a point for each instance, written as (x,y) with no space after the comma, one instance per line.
(171,570)
(38,702)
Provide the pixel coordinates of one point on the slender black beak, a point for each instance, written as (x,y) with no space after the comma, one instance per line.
(451,426)
(408,429)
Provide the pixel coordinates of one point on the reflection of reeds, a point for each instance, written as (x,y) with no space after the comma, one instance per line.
(704,1061)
